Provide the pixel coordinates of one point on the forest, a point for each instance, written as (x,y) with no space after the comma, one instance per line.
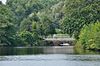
(26,22)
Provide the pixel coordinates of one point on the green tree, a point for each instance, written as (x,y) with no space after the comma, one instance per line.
(23,8)
(79,13)
(47,25)
(7,28)
(27,37)
(89,37)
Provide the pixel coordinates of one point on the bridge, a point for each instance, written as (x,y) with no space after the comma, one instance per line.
(60,41)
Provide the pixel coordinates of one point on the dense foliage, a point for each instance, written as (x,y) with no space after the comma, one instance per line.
(90,37)
(79,13)
(27,22)
(7,27)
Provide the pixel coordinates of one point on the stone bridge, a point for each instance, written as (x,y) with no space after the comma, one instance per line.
(59,41)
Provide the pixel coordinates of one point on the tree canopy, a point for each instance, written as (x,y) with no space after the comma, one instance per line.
(26,22)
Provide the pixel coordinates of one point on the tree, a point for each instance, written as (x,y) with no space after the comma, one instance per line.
(79,13)
(46,24)
(27,37)
(23,8)
(7,28)
(89,37)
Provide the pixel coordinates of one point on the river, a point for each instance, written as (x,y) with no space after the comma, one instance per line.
(46,56)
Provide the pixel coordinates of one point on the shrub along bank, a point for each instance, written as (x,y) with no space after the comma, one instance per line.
(89,37)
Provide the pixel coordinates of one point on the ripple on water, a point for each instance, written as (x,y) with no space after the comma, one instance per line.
(51,57)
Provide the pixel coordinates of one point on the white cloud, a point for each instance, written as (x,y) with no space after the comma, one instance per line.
(3,1)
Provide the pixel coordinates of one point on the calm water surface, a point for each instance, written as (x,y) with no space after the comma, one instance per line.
(46,56)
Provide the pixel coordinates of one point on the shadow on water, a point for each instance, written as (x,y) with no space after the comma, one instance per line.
(43,50)
(81,51)
(36,50)
(20,50)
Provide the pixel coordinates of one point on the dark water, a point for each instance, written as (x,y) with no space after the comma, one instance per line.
(47,56)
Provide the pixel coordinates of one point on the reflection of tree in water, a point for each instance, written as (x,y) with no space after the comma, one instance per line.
(34,50)
(7,51)
(31,50)
(21,51)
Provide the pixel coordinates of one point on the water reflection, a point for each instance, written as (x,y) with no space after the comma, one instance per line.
(43,50)
(20,51)
(46,56)
(82,51)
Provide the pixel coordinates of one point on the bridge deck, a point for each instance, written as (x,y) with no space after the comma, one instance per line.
(59,39)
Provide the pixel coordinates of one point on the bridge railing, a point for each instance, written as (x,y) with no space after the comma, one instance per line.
(59,36)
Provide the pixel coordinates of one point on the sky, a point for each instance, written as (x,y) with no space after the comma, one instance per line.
(3,1)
